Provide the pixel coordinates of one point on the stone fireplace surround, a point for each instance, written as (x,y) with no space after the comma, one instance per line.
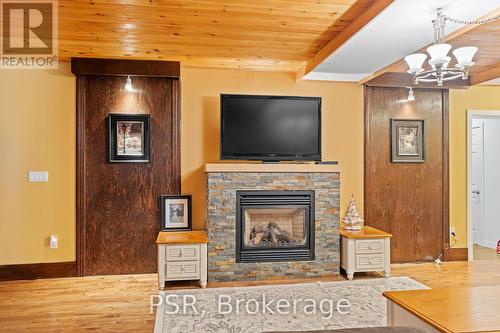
(224,179)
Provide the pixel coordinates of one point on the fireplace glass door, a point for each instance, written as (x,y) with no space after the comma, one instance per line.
(274,226)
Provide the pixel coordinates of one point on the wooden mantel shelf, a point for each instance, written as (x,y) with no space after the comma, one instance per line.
(267,167)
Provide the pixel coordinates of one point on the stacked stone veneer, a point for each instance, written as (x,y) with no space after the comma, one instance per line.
(221,225)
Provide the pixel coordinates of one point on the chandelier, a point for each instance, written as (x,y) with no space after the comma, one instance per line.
(439,58)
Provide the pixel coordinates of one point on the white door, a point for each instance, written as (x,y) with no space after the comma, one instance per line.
(478,180)
(491,185)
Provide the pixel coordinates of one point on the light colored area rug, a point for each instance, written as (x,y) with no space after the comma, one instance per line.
(311,306)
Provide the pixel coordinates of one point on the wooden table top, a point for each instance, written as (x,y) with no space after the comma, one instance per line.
(365,232)
(451,310)
(182,237)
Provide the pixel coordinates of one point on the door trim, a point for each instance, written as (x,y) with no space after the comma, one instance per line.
(81,82)
(473,113)
(446,172)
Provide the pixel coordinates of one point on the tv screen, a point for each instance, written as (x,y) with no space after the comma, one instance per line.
(270,128)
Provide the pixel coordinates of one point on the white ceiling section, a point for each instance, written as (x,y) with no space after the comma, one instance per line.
(401,29)
(495,82)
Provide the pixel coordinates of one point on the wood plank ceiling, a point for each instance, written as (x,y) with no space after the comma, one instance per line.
(486,37)
(276,35)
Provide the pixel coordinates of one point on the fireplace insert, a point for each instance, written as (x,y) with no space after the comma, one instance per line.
(274,226)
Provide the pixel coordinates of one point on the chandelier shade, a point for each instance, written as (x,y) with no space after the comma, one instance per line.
(415,62)
(442,62)
(439,53)
(464,56)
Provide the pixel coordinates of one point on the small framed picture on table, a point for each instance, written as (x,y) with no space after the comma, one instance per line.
(175,212)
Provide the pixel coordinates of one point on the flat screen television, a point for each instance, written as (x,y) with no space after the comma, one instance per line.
(270,128)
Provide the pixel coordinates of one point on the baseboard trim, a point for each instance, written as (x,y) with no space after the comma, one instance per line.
(458,254)
(37,271)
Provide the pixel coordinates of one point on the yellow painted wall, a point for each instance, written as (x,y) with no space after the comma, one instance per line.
(477,98)
(37,132)
(342,121)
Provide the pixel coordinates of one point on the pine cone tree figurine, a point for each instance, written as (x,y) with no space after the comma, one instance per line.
(351,220)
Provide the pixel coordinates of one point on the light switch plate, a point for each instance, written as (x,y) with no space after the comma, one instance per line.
(38,176)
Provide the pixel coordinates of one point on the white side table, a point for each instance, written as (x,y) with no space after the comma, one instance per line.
(366,250)
(182,256)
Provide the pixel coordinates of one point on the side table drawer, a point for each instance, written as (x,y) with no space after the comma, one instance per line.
(182,252)
(369,246)
(183,270)
(369,261)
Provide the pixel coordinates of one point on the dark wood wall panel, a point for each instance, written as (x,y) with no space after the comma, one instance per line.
(409,200)
(120,67)
(121,212)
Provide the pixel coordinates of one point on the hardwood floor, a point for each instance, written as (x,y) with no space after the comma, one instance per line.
(482,253)
(452,274)
(103,304)
(121,303)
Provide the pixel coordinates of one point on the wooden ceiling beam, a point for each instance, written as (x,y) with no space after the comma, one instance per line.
(395,66)
(356,25)
(487,74)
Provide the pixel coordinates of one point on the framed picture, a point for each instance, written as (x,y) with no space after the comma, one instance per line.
(408,140)
(129,138)
(175,212)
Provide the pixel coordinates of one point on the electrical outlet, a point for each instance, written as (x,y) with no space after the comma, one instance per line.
(53,242)
(452,230)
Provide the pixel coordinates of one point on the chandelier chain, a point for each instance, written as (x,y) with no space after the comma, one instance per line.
(479,21)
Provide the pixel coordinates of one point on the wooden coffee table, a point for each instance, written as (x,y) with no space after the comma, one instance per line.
(472,309)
